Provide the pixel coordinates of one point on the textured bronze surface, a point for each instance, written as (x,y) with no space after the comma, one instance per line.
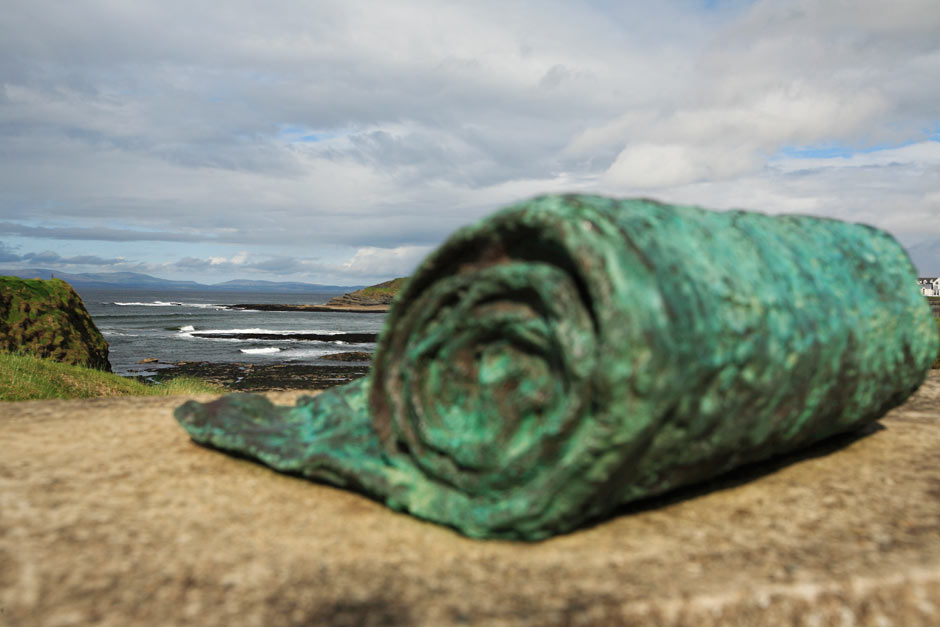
(573,353)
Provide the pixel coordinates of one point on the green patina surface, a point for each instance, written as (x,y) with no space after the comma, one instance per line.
(573,353)
(48,319)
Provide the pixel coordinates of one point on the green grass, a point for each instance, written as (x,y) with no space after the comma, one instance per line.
(24,377)
(389,287)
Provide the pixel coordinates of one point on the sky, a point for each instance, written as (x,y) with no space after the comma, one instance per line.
(340,142)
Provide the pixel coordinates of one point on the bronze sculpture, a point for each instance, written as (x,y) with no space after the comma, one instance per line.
(573,353)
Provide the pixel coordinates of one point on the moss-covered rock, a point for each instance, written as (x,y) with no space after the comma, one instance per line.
(48,319)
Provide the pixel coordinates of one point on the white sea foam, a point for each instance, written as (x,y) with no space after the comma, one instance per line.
(260,351)
(164,303)
(285,332)
(188,333)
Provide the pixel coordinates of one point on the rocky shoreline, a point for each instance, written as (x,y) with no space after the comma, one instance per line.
(243,377)
(372,299)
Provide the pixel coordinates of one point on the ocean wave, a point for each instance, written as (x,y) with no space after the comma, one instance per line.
(164,303)
(285,332)
(278,336)
(270,350)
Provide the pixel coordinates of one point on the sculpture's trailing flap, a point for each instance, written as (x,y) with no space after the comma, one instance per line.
(572,353)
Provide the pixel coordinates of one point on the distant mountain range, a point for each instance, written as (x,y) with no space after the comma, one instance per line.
(138,281)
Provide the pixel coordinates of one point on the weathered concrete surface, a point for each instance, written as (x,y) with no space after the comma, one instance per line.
(110,515)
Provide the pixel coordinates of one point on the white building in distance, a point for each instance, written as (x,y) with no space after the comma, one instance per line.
(929,286)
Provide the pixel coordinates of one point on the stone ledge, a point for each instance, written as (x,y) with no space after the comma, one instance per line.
(110,515)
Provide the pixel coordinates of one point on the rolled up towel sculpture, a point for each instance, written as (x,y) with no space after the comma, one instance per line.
(573,353)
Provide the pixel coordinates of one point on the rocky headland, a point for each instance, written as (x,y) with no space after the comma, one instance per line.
(374,295)
(373,299)
(48,319)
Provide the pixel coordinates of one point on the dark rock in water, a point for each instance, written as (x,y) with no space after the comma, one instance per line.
(381,294)
(243,377)
(349,356)
(48,319)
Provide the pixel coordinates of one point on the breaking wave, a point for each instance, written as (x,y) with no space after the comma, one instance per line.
(165,303)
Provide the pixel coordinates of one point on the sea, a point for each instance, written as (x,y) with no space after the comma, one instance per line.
(174,326)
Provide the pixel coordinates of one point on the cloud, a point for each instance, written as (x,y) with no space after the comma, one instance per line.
(926,256)
(7,253)
(245,264)
(100,234)
(367,129)
(371,261)
(51,257)
(366,262)
(238,259)
(799,73)
(192,264)
(720,142)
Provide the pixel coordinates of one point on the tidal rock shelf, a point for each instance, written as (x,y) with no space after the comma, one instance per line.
(242,377)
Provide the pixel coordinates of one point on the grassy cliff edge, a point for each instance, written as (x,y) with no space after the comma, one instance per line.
(380,294)
(48,319)
(26,377)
